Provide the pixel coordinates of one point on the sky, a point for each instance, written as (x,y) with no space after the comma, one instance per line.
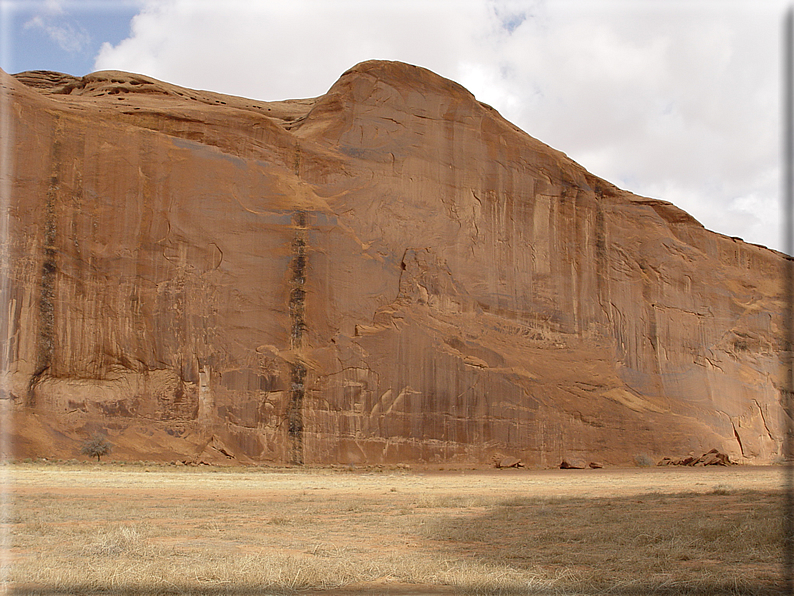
(676,100)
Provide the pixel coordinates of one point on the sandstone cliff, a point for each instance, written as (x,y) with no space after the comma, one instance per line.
(389,272)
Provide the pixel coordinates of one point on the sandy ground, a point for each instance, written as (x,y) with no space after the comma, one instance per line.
(21,479)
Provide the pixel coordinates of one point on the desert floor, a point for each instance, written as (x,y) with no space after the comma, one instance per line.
(116,528)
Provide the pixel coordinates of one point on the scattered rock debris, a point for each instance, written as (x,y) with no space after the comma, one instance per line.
(710,458)
(194,462)
(576,464)
(508,462)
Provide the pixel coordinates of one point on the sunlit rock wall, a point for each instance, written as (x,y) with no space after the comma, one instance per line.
(390,272)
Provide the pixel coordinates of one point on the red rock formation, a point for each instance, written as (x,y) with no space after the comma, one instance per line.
(389,272)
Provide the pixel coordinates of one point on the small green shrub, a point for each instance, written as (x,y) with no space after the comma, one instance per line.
(643,460)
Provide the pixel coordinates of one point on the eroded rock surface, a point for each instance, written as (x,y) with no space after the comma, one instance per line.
(389,272)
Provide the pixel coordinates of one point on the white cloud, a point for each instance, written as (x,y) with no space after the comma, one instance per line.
(53,7)
(680,103)
(277,50)
(51,19)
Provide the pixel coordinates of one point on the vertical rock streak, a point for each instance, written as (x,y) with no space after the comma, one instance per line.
(46,339)
(298,325)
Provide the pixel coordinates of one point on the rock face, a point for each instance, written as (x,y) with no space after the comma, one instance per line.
(389,272)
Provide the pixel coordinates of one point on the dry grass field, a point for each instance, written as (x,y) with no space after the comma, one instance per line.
(160,529)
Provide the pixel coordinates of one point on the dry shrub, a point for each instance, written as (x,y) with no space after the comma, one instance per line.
(643,460)
(122,541)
